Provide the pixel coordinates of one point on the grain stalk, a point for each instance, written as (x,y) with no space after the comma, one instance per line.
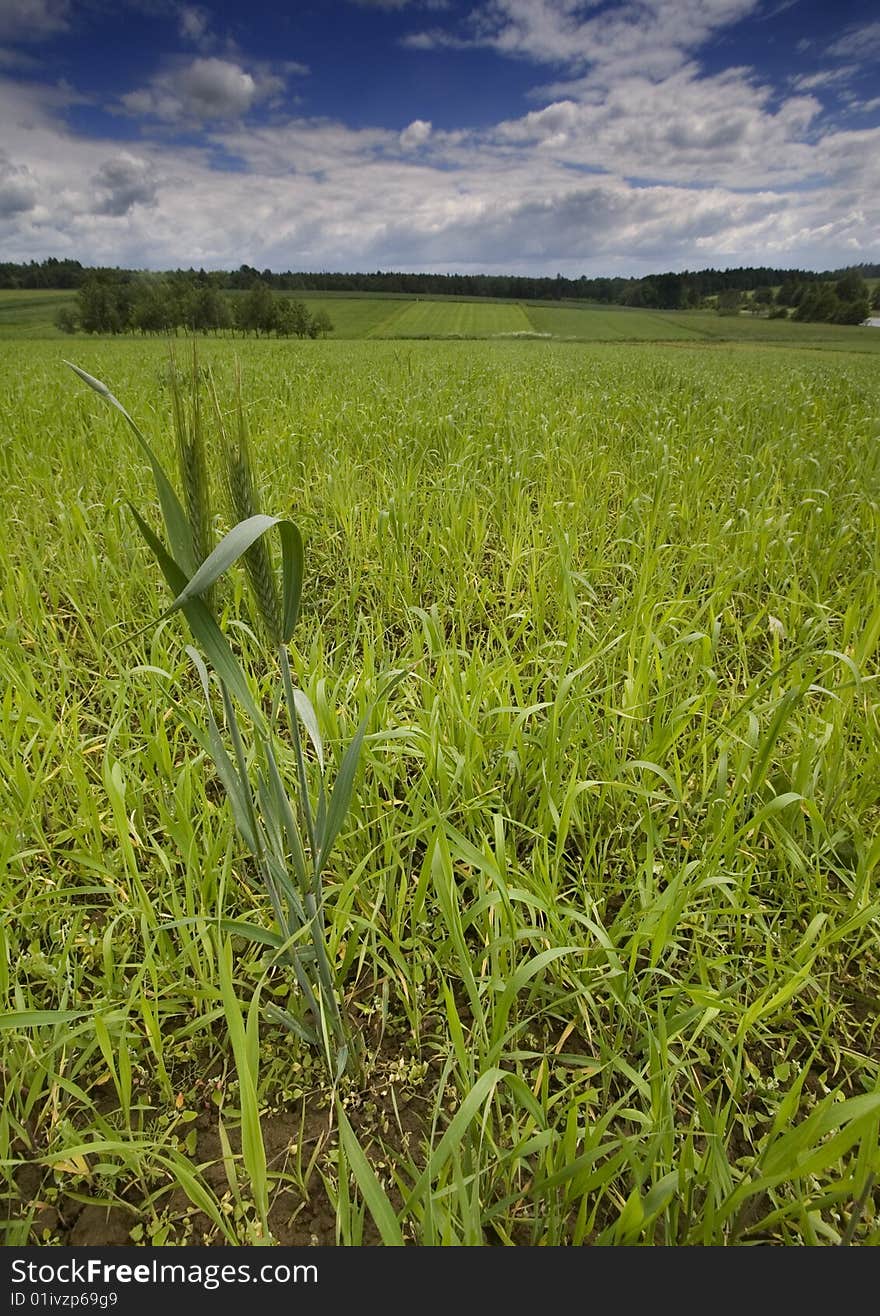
(192,462)
(241,487)
(289,840)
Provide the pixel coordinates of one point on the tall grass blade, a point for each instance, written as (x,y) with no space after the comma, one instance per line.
(176,523)
(379,1206)
(340,798)
(203,627)
(246,1066)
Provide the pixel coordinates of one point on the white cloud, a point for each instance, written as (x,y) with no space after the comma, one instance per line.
(122,182)
(416,134)
(434,39)
(216,88)
(400,4)
(193,23)
(203,90)
(319,195)
(32,20)
(860,42)
(650,37)
(683,129)
(824,78)
(18,189)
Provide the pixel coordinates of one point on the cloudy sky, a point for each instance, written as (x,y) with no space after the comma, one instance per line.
(532,136)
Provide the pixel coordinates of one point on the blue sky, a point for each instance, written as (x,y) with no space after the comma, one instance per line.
(531,136)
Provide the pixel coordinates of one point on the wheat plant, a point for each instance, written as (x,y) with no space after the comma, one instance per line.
(289,839)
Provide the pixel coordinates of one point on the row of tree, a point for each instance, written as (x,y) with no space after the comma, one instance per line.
(668,291)
(847,301)
(108,302)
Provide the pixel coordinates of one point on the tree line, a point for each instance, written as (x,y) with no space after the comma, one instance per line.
(663,291)
(112,302)
(846,300)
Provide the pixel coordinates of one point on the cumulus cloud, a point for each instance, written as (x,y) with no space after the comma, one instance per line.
(216,88)
(687,128)
(18,190)
(32,20)
(202,90)
(316,194)
(123,182)
(504,201)
(416,134)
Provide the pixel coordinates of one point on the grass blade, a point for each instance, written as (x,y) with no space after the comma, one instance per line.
(340,798)
(176,523)
(371,1190)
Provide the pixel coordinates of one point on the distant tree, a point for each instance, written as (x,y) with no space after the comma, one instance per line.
(66,319)
(819,303)
(223,315)
(851,287)
(641,293)
(292,318)
(256,311)
(670,291)
(729,301)
(322,324)
(207,310)
(875,300)
(854,312)
(152,307)
(763,296)
(284,317)
(790,293)
(104,304)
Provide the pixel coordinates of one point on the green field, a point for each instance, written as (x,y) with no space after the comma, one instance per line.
(608,325)
(604,913)
(753,329)
(353,317)
(445,319)
(30,315)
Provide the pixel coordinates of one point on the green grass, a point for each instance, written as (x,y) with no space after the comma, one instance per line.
(434,319)
(754,329)
(605,908)
(621,324)
(30,314)
(352,317)
(617,323)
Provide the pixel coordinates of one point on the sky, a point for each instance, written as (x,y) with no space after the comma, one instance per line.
(584,137)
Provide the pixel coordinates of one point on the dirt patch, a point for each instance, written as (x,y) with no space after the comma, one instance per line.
(391,1113)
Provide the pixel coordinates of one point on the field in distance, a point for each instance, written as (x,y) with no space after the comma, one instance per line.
(31,314)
